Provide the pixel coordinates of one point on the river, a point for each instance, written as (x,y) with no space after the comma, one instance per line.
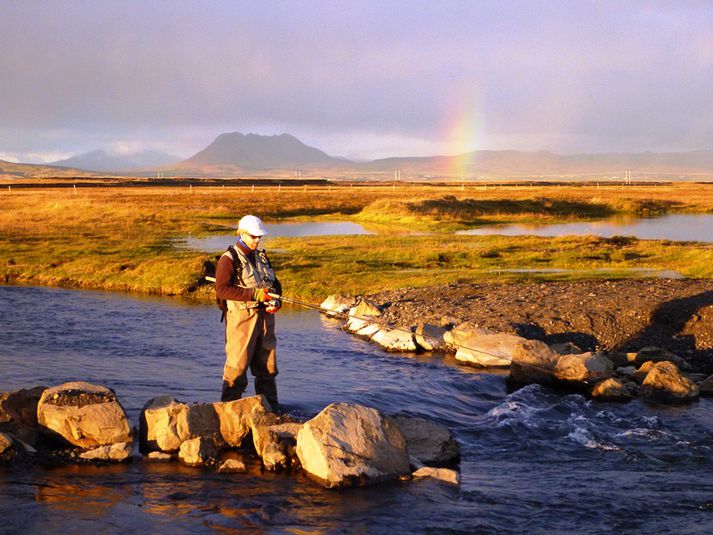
(532,460)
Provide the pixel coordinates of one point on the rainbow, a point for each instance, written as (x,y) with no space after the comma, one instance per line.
(464,133)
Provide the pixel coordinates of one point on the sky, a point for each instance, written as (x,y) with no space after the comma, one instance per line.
(356,78)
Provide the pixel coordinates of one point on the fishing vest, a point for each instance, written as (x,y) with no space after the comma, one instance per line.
(247,275)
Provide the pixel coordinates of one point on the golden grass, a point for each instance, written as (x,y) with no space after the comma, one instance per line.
(120,238)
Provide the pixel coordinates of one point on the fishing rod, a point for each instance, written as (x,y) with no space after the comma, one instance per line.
(372,319)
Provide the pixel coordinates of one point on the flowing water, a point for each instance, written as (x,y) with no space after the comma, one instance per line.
(532,460)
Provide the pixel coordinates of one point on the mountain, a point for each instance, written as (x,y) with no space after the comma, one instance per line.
(256,152)
(531,164)
(28,170)
(110,162)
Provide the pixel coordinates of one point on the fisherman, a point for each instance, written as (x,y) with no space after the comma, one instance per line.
(244,279)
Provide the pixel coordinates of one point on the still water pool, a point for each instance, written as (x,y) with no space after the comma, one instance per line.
(677,227)
(533,460)
(284,230)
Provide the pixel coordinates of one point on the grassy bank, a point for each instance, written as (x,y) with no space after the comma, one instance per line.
(122,238)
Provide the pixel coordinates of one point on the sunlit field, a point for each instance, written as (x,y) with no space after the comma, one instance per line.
(122,238)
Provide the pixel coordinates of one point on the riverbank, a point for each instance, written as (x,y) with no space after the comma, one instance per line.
(610,314)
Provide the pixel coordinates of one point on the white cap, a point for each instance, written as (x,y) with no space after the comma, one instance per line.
(252,225)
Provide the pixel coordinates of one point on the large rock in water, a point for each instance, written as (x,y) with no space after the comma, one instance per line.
(489,350)
(18,412)
(664,382)
(234,417)
(347,445)
(583,367)
(166,423)
(396,340)
(84,415)
(533,362)
(429,442)
(430,337)
(338,303)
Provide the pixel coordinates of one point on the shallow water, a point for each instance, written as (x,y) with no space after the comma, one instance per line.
(533,460)
(677,227)
(283,230)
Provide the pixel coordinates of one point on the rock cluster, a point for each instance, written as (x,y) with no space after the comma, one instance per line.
(651,372)
(344,445)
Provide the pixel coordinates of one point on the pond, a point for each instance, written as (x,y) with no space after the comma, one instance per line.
(677,227)
(533,460)
(283,230)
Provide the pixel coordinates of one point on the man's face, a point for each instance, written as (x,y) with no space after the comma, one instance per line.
(250,240)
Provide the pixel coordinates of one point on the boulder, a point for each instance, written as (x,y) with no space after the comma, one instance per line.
(664,382)
(429,442)
(166,423)
(18,412)
(612,389)
(159,426)
(489,350)
(347,445)
(430,337)
(198,451)
(639,375)
(658,354)
(234,417)
(583,368)
(446,475)
(232,466)
(395,340)
(364,309)
(533,362)
(159,457)
(8,449)
(83,415)
(566,348)
(274,438)
(118,452)
(337,303)
(368,330)
(461,333)
(626,371)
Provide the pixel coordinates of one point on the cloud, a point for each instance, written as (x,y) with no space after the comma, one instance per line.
(577,75)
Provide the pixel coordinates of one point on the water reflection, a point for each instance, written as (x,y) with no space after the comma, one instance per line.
(678,227)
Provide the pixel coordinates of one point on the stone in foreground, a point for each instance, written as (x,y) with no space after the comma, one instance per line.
(118,452)
(18,412)
(430,337)
(664,382)
(429,442)
(612,389)
(337,303)
(348,445)
(396,340)
(583,367)
(446,475)
(234,417)
(197,451)
(83,415)
(232,466)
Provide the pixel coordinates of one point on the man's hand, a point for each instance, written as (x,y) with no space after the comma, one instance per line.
(273,306)
(261,295)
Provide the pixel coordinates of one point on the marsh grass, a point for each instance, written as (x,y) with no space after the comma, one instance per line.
(121,238)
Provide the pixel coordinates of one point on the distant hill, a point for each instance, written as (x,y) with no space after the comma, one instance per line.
(256,152)
(518,163)
(109,162)
(28,170)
